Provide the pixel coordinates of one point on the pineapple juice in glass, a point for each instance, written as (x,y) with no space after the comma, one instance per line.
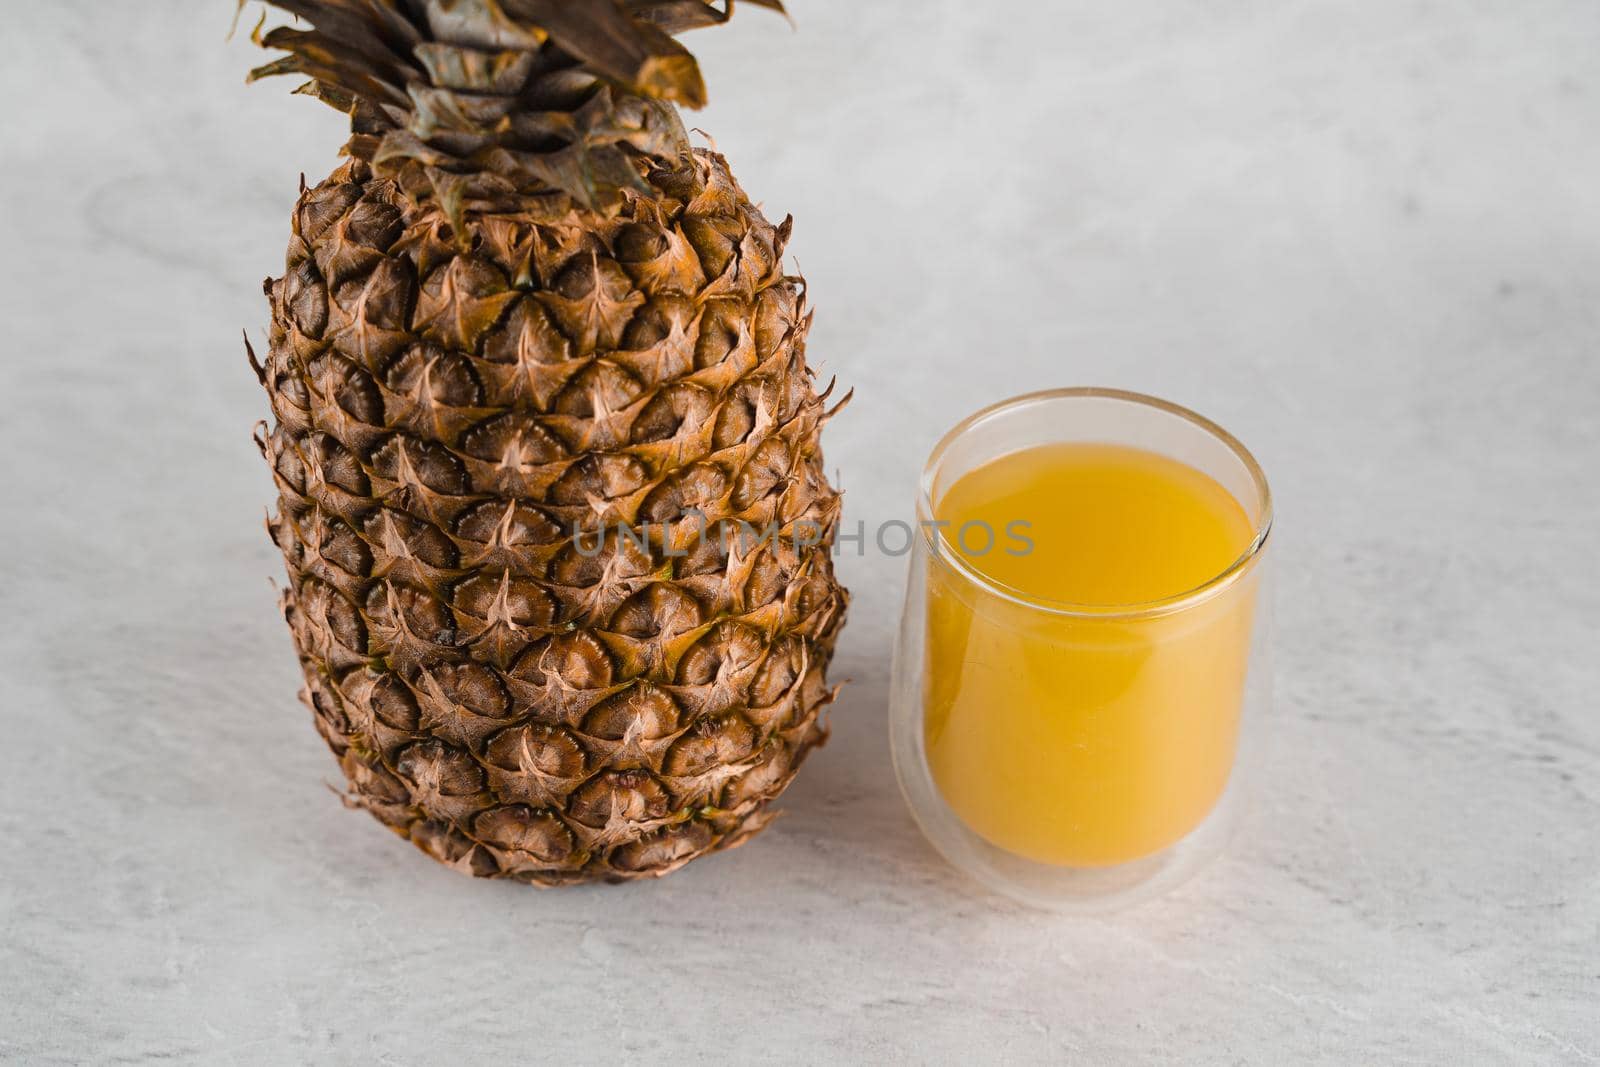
(1080,664)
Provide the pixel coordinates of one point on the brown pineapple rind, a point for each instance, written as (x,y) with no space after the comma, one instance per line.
(455,396)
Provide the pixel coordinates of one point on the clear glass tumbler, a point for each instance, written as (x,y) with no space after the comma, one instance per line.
(1080,757)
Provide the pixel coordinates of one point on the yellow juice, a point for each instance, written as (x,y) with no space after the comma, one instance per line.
(1101,732)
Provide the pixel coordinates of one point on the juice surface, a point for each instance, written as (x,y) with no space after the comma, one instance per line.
(1070,738)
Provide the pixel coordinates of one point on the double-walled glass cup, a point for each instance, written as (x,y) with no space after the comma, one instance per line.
(1080,756)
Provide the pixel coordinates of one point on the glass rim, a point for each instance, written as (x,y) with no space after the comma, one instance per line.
(945,552)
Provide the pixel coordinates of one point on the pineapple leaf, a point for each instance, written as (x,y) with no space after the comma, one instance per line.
(640,56)
(676,16)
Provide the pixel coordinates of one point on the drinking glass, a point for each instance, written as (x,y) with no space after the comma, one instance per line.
(1080,757)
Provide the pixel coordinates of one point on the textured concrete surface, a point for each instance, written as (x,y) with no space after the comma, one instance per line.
(1366,237)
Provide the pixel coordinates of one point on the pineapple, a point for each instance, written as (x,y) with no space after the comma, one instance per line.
(551,496)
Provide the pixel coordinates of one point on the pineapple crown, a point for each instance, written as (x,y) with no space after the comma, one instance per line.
(503,105)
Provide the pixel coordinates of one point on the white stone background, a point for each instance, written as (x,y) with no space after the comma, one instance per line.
(1365,236)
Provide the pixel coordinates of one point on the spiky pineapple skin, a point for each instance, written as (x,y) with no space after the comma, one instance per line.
(459,413)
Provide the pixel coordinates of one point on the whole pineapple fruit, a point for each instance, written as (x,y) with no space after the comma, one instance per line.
(552,501)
